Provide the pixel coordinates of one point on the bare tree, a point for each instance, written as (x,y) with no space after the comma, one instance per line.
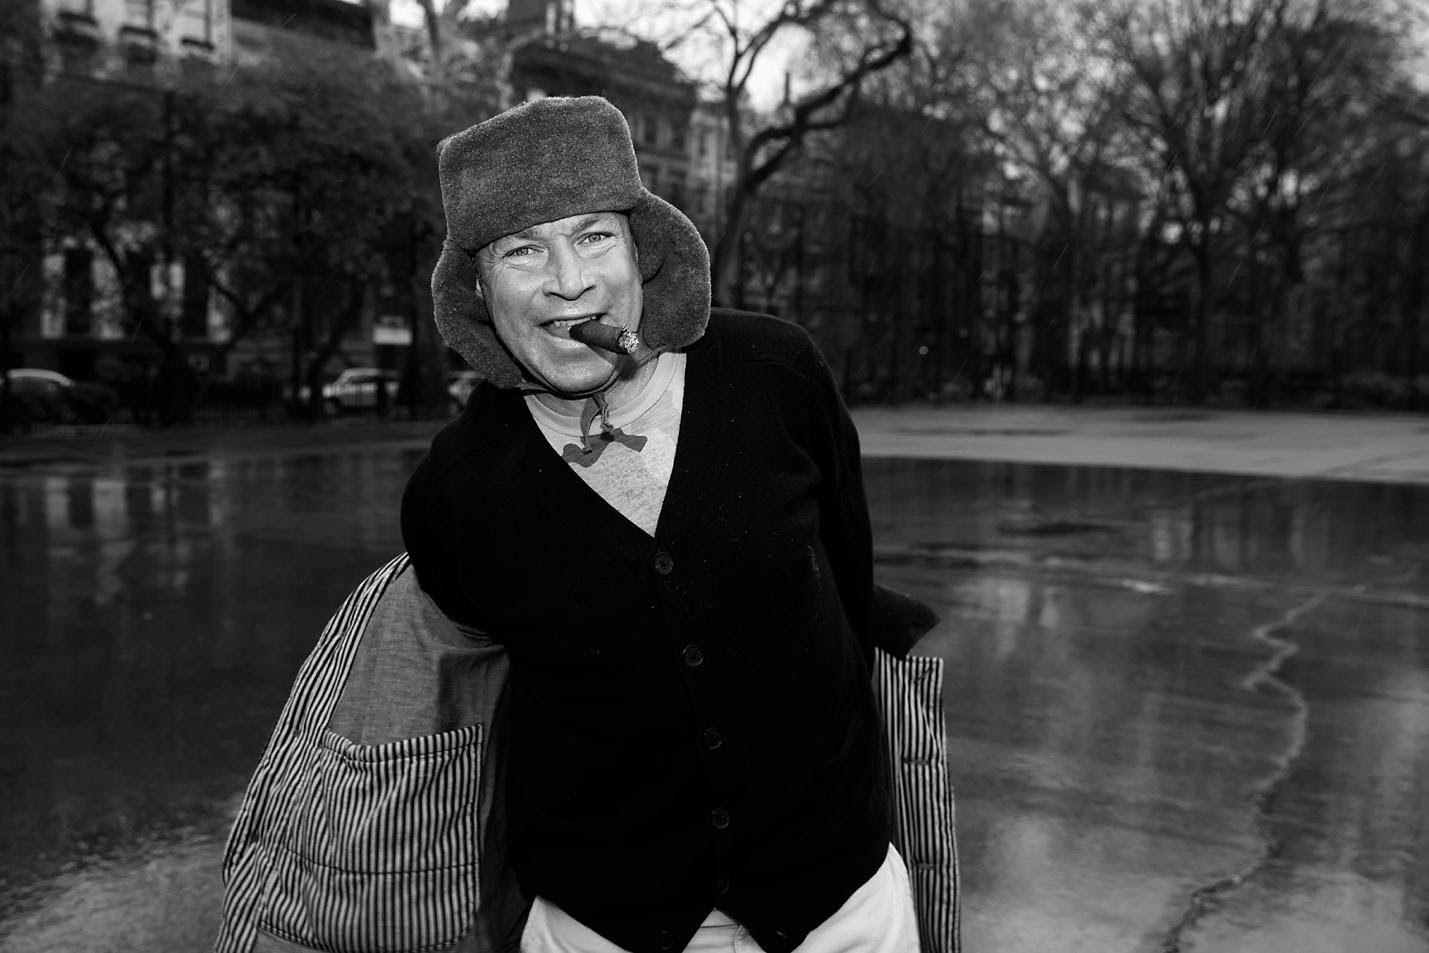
(462,58)
(907,174)
(1055,111)
(1054,106)
(1322,69)
(1193,94)
(860,38)
(1361,225)
(1246,111)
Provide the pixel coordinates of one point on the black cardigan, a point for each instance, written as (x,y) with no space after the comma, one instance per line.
(691,722)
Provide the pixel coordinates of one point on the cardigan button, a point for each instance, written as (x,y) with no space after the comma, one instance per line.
(721,884)
(664,563)
(665,940)
(719,817)
(713,739)
(694,655)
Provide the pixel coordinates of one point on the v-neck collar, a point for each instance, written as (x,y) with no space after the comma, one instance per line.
(575,506)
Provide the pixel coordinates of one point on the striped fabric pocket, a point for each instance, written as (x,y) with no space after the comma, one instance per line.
(909,695)
(381,850)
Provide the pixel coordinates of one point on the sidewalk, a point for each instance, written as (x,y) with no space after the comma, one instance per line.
(126,443)
(1390,448)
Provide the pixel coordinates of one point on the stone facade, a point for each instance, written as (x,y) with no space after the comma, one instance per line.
(74,320)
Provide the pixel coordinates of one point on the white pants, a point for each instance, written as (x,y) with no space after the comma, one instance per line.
(877,918)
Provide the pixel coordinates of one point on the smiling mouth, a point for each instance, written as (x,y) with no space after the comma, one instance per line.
(561,327)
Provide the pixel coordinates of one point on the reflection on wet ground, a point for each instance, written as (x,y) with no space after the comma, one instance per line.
(154,616)
(1186,712)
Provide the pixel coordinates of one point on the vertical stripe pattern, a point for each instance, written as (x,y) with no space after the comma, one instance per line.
(385,856)
(343,847)
(339,846)
(909,693)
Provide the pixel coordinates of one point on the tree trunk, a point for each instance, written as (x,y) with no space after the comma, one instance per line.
(1200,322)
(728,279)
(1414,307)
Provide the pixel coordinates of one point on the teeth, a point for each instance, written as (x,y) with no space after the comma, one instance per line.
(564,323)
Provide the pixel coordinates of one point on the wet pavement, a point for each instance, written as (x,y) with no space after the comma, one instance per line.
(1188,711)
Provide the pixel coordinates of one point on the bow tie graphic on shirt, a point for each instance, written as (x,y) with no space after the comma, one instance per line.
(591,447)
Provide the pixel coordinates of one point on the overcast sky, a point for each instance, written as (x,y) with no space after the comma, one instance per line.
(696,58)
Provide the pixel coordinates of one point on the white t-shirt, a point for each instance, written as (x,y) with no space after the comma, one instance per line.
(631,480)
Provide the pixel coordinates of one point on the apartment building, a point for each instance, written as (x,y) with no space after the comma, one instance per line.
(657,100)
(78,316)
(129,33)
(711,168)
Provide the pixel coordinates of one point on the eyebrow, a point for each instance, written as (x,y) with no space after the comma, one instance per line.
(596,218)
(530,231)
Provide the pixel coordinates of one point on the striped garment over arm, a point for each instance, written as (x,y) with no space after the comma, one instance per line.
(398,844)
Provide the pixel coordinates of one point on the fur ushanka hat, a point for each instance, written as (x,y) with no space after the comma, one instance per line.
(540,162)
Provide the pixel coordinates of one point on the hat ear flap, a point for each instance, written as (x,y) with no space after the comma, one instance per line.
(463,321)
(675,267)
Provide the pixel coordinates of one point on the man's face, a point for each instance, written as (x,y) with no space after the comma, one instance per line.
(541,281)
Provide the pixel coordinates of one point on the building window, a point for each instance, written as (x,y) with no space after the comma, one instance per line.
(77,23)
(139,13)
(648,133)
(78,290)
(196,22)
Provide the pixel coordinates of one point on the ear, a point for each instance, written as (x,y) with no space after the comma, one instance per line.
(479,288)
(630,239)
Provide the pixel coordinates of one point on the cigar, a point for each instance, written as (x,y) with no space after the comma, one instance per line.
(595,334)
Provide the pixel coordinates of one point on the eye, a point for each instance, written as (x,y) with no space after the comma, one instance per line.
(595,238)
(520,251)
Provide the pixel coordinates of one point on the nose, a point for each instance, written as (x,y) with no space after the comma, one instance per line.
(566,276)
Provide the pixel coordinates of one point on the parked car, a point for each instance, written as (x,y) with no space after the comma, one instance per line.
(459,387)
(355,390)
(44,396)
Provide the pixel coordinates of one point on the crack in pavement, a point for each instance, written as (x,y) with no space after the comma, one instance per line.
(1263,678)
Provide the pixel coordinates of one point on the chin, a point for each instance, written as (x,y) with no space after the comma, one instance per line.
(579,382)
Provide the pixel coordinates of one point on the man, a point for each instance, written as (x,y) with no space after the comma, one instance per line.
(629,697)
(658,511)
